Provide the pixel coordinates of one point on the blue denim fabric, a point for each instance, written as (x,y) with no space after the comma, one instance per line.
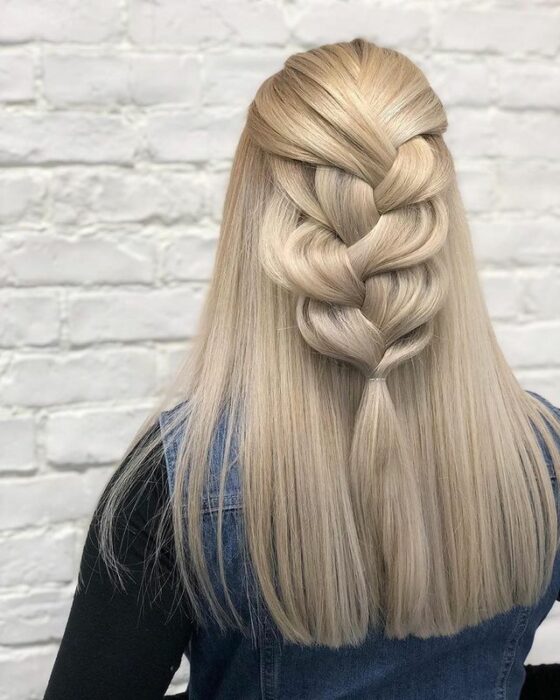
(483,662)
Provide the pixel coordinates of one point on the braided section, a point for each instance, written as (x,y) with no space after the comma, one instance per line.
(353,228)
(362,260)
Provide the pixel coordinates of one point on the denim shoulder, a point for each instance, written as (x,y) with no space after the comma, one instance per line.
(556,411)
(173,424)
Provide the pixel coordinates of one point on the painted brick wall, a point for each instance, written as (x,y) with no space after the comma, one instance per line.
(117,127)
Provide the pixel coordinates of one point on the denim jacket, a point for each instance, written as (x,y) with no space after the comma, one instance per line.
(482,662)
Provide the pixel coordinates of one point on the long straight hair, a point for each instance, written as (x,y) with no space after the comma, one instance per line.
(390,463)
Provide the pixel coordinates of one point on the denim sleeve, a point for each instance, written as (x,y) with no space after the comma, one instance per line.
(123,643)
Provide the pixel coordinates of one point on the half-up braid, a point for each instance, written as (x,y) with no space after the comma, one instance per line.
(390,463)
(362,259)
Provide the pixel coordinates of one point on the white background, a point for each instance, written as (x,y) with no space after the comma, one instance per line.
(118,123)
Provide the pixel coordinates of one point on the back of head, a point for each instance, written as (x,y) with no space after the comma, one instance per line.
(355,234)
(391,467)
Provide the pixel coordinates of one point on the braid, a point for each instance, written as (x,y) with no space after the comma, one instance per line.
(353,229)
(364,259)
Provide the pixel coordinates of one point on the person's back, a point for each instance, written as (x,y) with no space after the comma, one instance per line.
(484,661)
(362,501)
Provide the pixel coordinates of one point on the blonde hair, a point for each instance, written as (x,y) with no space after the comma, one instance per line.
(390,463)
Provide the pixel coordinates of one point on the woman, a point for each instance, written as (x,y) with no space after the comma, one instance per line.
(349,495)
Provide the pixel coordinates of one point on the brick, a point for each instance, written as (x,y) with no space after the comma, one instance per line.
(190,257)
(231,80)
(527,186)
(29,319)
(326,23)
(53,498)
(22,196)
(192,137)
(177,137)
(463,83)
(165,79)
(82,261)
(17,80)
(81,21)
(90,437)
(218,182)
(530,345)
(17,440)
(38,556)
(529,84)
(254,23)
(499,31)
(65,137)
(118,196)
(166,314)
(172,358)
(67,378)
(503,292)
(477,182)
(545,643)
(189,24)
(33,616)
(72,79)
(470,133)
(527,135)
(516,241)
(175,22)
(545,382)
(542,294)
(36,662)
(181,678)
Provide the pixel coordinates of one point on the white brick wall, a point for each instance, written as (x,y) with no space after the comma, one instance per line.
(117,127)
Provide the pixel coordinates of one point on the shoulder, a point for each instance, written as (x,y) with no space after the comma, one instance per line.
(546,402)
(131,518)
(554,429)
(174,426)
(148,489)
(553,412)
(137,489)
